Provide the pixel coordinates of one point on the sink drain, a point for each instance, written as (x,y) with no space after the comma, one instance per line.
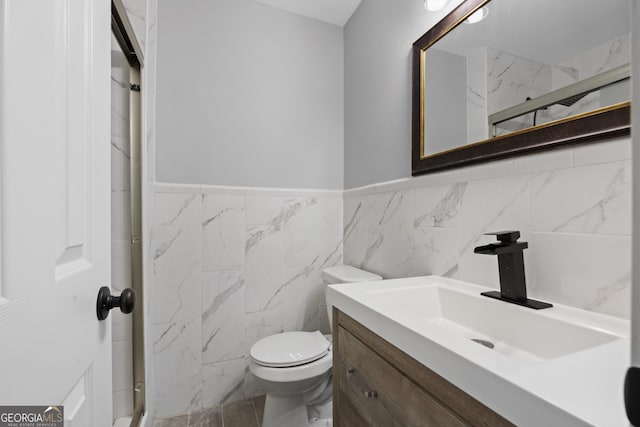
(485,343)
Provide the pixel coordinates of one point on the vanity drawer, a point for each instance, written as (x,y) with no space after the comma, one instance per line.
(381,394)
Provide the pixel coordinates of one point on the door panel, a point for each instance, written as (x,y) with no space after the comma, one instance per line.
(77,405)
(55,206)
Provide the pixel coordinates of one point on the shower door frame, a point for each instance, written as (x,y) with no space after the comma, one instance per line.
(124,34)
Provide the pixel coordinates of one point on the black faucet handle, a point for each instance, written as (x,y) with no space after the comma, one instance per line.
(510,236)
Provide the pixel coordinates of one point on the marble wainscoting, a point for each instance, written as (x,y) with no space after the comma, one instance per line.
(573,206)
(230,266)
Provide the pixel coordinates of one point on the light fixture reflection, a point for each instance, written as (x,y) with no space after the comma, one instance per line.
(434,5)
(477,16)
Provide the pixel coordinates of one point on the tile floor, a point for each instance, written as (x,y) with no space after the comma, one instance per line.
(245,413)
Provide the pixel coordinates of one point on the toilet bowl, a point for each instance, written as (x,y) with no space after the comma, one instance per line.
(294,368)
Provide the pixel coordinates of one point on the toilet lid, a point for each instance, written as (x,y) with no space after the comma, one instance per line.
(289,349)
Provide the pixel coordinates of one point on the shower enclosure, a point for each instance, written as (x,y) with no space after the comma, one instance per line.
(126,219)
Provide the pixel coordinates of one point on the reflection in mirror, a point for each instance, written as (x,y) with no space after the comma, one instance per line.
(603,89)
(528,63)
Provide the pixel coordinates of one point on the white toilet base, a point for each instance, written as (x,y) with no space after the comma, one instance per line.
(321,410)
(321,415)
(321,422)
(288,412)
(284,412)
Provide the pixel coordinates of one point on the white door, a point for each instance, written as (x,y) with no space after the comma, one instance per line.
(54,206)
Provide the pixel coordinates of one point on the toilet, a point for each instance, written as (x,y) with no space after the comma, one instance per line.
(294,368)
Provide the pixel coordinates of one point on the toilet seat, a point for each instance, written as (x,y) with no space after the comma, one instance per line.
(294,373)
(289,349)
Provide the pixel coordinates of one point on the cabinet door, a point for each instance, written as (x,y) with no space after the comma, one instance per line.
(381,394)
(349,416)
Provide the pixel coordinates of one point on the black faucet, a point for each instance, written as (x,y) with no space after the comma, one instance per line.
(513,286)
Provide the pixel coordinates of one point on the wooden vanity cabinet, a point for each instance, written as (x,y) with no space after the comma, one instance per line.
(376,384)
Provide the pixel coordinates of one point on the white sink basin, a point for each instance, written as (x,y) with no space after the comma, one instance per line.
(556,366)
(526,335)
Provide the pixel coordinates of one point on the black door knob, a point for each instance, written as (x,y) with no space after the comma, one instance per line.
(126,301)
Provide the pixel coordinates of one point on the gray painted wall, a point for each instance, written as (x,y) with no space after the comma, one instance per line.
(447,100)
(377,44)
(248,95)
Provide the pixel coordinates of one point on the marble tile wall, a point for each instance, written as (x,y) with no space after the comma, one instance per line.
(230,266)
(510,81)
(137,13)
(603,57)
(573,206)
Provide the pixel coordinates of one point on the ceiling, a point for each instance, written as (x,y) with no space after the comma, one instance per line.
(336,12)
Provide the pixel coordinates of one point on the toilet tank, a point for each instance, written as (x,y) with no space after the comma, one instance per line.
(345,274)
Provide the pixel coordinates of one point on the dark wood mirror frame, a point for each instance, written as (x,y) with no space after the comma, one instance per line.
(604,123)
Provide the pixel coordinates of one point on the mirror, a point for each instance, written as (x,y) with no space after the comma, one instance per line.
(531,75)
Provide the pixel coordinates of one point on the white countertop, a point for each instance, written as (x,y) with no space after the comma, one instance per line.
(576,389)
